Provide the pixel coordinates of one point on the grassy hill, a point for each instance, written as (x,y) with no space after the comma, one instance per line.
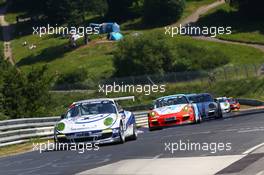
(245,29)
(97,58)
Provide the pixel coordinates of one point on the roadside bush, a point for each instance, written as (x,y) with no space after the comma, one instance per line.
(73,77)
(195,58)
(157,12)
(144,54)
(155,53)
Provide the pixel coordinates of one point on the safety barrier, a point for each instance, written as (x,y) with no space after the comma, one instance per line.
(23,130)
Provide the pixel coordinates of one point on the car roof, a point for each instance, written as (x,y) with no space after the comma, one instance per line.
(204,94)
(190,95)
(94,100)
(221,98)
(171,96)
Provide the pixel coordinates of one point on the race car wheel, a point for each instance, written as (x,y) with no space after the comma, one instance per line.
(122,134)
(199,120)
(135,134)
(220,113)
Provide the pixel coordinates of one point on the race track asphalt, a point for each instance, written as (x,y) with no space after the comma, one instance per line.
(242,132)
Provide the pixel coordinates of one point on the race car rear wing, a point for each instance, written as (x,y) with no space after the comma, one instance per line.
(124,98)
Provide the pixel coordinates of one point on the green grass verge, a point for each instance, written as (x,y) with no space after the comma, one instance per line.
(244,29)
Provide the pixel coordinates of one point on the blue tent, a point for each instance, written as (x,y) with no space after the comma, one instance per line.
(115,36)
(107,27)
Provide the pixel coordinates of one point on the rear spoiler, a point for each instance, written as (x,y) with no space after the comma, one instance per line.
(124,98)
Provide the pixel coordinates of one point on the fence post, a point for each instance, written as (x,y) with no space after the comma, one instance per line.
(246,70)
(256,70)
(225,74)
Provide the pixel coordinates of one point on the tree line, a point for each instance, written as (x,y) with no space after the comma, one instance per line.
(74,12)
(23,94)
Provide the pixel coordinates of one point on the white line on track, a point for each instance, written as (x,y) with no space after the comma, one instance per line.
(250,130)
(260,173)
(140,131)
(253,149)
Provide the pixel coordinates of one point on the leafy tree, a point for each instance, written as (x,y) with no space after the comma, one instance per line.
(249,7)
(122,9)
(13,100)
(36,91)
(162,11)
(25,95)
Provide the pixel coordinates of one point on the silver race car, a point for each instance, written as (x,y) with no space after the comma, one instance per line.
(207,106)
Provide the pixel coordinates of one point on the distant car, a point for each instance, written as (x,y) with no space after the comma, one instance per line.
(96,120)
(224,104)
(234,104)
(207,106)
(172,110)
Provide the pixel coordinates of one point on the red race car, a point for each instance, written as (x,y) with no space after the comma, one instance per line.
(234,104)
(172,110)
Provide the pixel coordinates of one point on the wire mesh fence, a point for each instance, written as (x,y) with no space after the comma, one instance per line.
(220,74)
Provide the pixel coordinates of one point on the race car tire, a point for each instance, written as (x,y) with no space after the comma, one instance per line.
(122,134)
(220,114)
(198,121)
(135,134)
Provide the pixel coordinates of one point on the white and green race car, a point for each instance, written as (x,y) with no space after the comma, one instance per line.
(97,121)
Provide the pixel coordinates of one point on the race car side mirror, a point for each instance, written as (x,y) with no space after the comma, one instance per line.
(151,108)
(191,102)
(62,116)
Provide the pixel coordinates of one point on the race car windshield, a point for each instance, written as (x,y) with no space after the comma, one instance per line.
(221,100)
(204,98)
(171,101)
(97,108)
(232,101)
(73,112)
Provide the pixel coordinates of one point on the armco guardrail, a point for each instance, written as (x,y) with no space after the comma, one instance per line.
(250,102)
(22,130)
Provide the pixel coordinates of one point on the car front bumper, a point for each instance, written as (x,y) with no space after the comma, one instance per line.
(89,137)
(171,120)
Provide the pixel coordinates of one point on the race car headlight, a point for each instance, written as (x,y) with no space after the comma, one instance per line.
(185,109)
(108,121)
(152,114)
(60,126)
(212,106)
(116,130)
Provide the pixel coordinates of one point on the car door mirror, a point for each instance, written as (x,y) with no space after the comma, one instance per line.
(151,107)
(63,116)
